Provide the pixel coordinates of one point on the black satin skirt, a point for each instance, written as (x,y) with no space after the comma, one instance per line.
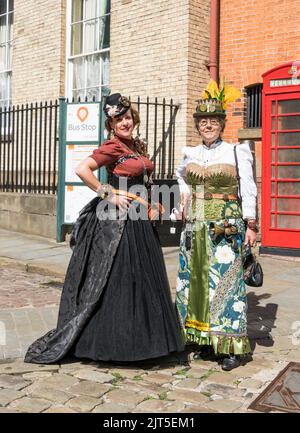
(116,303)
(135,318)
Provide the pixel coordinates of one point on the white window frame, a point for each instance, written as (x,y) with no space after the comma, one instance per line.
(8,54)
(69,64)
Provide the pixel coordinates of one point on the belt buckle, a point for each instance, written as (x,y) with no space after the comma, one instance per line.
(208,196)
(225,197)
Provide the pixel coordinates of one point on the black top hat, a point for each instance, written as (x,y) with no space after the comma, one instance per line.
(115,105)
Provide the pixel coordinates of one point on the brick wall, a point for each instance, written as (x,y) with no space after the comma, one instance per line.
(198,57)
(38,61)
(255,37)
(158,49)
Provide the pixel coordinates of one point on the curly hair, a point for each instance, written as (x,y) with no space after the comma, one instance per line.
(141,147)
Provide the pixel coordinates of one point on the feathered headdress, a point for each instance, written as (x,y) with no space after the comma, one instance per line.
(226,94)
(214,100)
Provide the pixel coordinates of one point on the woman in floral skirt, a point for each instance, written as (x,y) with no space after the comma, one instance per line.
(211,293)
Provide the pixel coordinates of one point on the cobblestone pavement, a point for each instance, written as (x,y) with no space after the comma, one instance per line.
(28,308)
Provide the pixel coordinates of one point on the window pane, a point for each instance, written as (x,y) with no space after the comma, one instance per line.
(11,5)
(93,71)
(291,172)
(289,155)
(291,106)
(76,39)
(78,94)
(77,10)
(289,139)
(4,86)
(273,140)
(105,69)
(273,187)
(289,204)
(2,57)
(90,36)
(289,122)
(90,9)
(78,73)
(272,220)
(104,32)
(288,188)
(273,107)
(3,29)
(10,27)
(8,87)
(9,55)
(104,7)
(273,204)
(3,8)
(273,172)
(93,93)
(288,221)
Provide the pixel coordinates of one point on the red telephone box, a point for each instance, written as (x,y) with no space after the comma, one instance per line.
(280,220)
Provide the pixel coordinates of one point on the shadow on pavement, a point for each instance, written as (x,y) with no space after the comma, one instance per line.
(176,358)
(261,320)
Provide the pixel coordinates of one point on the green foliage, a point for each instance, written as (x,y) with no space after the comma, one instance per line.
(137,377)
(163,396)
(182,372)
(117,378)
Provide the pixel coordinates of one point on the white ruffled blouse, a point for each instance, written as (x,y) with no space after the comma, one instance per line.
(222,153)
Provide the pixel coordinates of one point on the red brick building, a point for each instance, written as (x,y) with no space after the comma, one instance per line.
(255,37)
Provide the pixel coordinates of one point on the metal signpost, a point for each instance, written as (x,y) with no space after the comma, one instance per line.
(81,132)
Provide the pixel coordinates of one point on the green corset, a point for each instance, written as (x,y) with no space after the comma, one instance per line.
(215,179)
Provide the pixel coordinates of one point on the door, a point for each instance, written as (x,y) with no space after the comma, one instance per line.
(281,171)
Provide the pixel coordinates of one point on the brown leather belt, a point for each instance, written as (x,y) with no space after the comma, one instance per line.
(152,208)
(210,196)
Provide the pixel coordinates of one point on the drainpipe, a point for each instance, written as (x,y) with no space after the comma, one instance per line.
(214,39)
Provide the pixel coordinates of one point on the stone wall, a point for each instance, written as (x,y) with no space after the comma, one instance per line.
(38,55)
(28,213)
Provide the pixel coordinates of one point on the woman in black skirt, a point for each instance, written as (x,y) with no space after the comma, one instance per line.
(116,303)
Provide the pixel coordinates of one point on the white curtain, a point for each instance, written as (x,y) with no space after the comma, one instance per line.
(93,70)
(89,72)
(90,9)
(78,73)
(105,69)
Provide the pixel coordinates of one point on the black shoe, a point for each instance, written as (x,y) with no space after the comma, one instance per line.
(231,362)
(206,353)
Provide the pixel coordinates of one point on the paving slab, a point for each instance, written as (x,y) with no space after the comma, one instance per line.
(30,405)
(83,403)
(223,405)
(32,272)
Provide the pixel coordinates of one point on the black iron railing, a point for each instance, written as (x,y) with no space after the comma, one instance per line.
(254,106)
(29,143)
(29,148)
(158,121)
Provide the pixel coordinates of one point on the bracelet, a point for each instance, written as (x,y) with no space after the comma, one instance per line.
(104,191)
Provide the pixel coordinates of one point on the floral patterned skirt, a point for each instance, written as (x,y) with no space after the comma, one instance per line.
(211,294)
